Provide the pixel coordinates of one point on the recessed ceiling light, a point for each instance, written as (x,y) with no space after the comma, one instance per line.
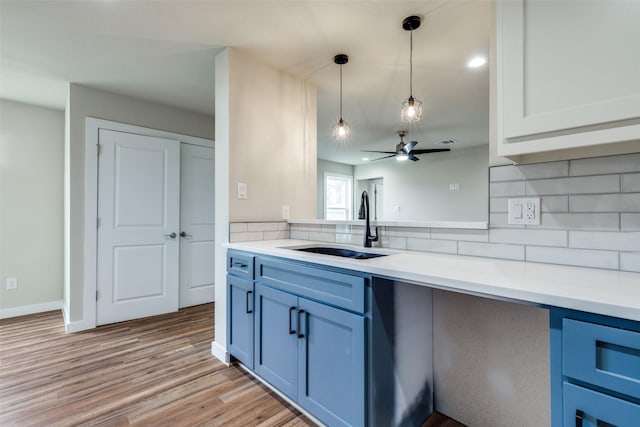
(365,159)
(476,61)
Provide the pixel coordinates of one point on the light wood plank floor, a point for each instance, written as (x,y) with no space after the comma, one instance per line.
(157,371)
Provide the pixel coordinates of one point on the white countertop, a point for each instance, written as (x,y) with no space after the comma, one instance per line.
(607,292)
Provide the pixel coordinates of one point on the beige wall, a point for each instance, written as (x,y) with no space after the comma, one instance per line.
(88,102)
(272,141)
(265,138)
(31,207)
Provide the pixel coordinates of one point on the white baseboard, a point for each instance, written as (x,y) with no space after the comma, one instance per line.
(23,310)
(220,353)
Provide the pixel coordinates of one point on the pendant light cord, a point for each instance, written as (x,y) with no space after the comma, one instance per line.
(411,63)
(340,91)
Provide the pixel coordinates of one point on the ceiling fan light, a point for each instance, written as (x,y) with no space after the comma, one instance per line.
(402,157)
(411,110)
(341,131)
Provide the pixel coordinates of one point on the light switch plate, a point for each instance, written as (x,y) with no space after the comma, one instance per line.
(242,191)
(524,211)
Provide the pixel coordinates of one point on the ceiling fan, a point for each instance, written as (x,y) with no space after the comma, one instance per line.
(405,151)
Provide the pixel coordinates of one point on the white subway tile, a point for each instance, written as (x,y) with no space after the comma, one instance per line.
(328,228)
(349,239)
(554,204)
(529,237)
(284,226)
(393,242)
(532,171)
(630,222)
(299,235)
(631,182)
(604,165)
(276,235)
(616,241)
(262,226)
(343,228)
(502,189)
(308,227)
(237,227)
(246,236)
(500,220)
(460,234)
(579,221)
(498,204)
(579,185)
(621,202)
(322,237)
(577,257)
(428,245)
(630,261)
(418,232)
(492,250)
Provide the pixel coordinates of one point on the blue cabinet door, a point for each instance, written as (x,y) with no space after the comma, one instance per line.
(276,339)
(588,408)
(240,319)
(332,364)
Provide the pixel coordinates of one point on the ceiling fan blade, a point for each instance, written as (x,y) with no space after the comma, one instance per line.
(430,150)
(414,158)
(383,152)
(385,157)
(409,146)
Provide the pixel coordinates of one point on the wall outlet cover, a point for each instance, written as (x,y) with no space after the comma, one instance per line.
(524,211)
(12,283)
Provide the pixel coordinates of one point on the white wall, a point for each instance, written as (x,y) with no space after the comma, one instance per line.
(333,167)
(31,205)
(88,102)
(265,138)
(421,189)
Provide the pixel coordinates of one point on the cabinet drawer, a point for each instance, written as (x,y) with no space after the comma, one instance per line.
(588,408)
(240,264)
(602,355)
(337,289)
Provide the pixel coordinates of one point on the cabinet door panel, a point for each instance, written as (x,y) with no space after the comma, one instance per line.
(332,364)
(276,357)
(592,409)
(240,315)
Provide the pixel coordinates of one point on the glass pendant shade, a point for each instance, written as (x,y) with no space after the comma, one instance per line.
(342,130)
(411,110)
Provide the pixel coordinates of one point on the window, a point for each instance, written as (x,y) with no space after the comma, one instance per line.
(337,196)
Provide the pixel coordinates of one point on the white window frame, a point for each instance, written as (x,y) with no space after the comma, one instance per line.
(349,207)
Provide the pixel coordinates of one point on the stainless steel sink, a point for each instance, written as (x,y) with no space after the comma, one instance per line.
(342,252)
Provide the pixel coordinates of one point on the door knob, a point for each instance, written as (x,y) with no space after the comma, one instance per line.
(172,235)
(185,234)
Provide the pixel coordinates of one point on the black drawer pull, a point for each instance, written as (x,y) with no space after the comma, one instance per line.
(300,334)
(238,265)
(579,417)
(248,310)
(291,330)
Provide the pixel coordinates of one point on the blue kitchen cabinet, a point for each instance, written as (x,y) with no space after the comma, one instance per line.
(331,368)
(240,306)
(276,339)
(595,370)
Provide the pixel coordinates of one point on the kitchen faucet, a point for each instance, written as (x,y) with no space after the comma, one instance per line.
(364,214)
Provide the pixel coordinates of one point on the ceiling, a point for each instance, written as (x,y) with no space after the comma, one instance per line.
(163,51)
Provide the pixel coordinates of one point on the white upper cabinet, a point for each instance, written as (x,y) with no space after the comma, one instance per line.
(568,74)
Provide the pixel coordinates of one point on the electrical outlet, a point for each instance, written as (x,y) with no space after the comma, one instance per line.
(524,211)
(12,283)
(285,211)
(454,187)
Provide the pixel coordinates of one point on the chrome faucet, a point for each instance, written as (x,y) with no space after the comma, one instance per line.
(363,213)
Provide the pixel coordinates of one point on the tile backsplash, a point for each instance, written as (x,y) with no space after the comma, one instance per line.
(590,217)
(250,231)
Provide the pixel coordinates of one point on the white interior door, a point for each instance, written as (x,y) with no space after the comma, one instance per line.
(197,272)
(138,213)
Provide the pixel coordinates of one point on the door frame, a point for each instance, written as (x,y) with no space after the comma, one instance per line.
(90,262)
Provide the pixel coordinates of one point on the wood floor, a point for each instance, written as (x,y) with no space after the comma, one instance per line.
(150,372)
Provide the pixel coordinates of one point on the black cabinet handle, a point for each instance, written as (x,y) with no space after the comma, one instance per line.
(238,265)
(300,334)
(291,330)
(579,417)
(249,311)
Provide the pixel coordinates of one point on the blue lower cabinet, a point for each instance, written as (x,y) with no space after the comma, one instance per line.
(331,366)
(240,312)
(587,408)
(276,339)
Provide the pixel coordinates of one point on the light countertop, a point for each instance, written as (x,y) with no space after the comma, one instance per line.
(607,292)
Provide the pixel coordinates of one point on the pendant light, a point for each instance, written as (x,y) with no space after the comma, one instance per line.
(411,107)
(342,130)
